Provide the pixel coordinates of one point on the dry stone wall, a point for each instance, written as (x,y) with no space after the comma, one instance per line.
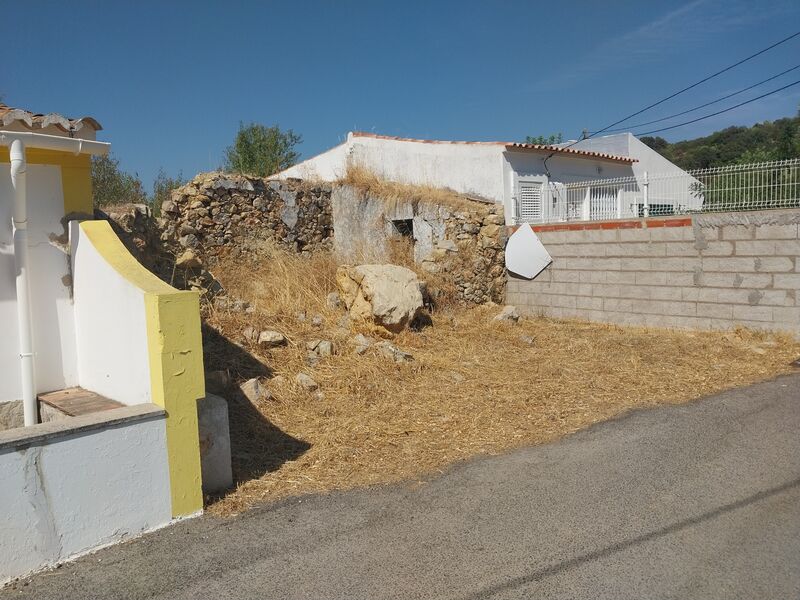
(218,214)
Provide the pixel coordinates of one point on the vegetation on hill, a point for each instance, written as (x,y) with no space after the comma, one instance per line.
(770,140)
(113,186)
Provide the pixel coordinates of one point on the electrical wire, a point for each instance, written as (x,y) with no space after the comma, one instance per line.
(694,85)
(750,87)
(719,112)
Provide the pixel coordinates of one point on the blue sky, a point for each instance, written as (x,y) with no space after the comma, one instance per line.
(171,80)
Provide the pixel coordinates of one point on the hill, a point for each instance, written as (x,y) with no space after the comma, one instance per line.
(770,140)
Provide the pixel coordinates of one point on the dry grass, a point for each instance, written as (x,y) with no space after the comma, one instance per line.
(475,386)
(402,193)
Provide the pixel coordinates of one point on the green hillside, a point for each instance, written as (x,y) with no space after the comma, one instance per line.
(770,140)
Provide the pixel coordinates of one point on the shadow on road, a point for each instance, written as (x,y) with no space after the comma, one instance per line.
(572,563)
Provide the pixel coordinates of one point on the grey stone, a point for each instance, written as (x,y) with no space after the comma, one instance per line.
(508,314)
(306,382)
(333,300)
(317,321)
(393,352)
(11,415)
(271,339)
(362,343)
(254,391)
(320,347)
(215,443)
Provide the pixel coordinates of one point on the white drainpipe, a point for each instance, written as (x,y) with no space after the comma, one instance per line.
(16,143)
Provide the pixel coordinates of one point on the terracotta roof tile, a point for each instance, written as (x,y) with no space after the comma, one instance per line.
(31,120)
(509,145)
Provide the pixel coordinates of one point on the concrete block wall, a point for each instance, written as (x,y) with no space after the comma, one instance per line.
(710,271)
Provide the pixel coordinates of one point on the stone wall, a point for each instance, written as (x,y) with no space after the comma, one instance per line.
(711,271)
(463,244)
(218,214)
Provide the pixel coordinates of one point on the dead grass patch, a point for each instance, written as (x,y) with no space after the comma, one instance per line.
(394,193)
(475,386)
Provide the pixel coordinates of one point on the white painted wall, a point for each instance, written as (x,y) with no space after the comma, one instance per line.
(328,166)
(78,491)
(486,170)
(111,332)
(53,326)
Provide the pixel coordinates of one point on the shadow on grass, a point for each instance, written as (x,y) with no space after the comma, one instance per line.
(257,446)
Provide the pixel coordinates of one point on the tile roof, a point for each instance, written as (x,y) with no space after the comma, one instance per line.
(9,115)
(508,145)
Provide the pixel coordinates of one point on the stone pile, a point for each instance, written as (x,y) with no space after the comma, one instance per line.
(217,214)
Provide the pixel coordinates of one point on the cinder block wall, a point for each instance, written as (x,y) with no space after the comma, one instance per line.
(711,271)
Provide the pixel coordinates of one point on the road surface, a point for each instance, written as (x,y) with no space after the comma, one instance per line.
(694,501)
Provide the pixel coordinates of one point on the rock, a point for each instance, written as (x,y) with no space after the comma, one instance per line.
(333,300)
(301,317)
(254,391)
(217,381)
(306,382)
(188,260)
(317,321)
(320,347)
(509,313)
(169,207)
(249,333)
(387,297)
(271,339)
(362,343)
(278,380)
(393,352)
(490,231)
(447,246)
(526,339)
(189,241)
(215,443)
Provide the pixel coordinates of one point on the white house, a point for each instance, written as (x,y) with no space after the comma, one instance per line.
(504,172)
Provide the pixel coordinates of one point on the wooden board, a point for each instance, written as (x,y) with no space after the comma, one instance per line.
(78,401)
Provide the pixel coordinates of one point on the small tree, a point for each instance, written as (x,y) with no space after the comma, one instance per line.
(555,138)
(162,187)
(111,185)
(261,150)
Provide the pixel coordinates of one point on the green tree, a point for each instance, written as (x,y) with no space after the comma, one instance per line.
(261,150)
(162,187)
(554,138)
(111,185)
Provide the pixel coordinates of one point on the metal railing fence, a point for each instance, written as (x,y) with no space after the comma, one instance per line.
(745,187)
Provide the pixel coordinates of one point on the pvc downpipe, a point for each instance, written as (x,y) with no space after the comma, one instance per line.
(16,142)
(20,222)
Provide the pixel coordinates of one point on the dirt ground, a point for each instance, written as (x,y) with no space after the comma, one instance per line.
(474,386)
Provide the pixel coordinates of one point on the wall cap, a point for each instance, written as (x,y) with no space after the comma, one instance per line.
(46,433)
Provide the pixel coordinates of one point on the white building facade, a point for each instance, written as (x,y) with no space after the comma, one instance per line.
(499,171)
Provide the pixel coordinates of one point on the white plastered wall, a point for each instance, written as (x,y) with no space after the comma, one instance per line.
(51,308)
(66,496)
(110,325)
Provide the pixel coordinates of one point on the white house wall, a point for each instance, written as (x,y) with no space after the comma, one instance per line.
(73,492)
(111,330)
(328,166)
(562,169)
(51,305)
(466,168)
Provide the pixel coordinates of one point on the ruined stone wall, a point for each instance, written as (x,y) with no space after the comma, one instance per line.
(463,244)
(219,214)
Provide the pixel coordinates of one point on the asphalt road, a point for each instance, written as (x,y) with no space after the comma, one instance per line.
(693,501)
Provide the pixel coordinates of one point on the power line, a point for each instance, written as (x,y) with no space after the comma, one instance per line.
(694,85)
(719,112)
(750,87)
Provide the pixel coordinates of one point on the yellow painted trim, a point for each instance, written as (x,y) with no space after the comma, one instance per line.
(76,176)
(116,254)
(177,382)
(175,351)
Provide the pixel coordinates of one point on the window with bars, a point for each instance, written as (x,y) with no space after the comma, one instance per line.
(530,201)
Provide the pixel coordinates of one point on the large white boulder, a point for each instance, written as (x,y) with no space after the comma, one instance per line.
(387,297)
